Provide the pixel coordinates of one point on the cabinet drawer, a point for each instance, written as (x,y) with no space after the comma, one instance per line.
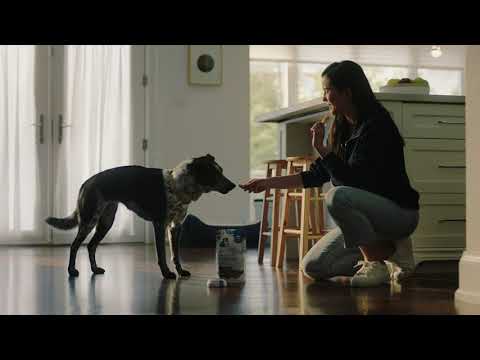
(395,109)
(434,121)
(436,166)
(442,222)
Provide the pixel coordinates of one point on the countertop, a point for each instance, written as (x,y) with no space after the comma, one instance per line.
(314,108)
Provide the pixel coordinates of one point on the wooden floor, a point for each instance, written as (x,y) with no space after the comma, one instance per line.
(34,280)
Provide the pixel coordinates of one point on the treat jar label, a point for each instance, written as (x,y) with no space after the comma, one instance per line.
(231,248)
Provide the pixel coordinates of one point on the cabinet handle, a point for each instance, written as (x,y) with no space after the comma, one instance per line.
(451,166)
(40,125)
(441,122)
(451,220)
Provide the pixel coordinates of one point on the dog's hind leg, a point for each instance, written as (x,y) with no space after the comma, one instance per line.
(83,232)
(103,226)
(90,207)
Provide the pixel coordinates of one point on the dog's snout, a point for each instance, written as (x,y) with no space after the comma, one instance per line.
(226,186)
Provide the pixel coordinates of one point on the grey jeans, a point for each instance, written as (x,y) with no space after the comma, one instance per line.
(363,218)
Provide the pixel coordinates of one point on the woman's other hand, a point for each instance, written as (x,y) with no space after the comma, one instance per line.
(318,134)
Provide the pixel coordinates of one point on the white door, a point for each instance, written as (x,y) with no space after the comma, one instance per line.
(24,144)
(98,111)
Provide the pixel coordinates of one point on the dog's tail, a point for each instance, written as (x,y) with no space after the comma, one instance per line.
(65,223)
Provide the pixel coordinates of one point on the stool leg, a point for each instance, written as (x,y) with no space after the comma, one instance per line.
(262,237)
(321,215)
(282,237)
(313,212)
(275,220)
(284,218)
(304,226)
(298,212)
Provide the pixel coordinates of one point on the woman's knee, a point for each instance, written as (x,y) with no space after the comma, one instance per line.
(336,198)
(318,261)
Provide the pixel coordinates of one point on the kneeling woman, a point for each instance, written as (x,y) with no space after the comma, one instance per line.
(372,201)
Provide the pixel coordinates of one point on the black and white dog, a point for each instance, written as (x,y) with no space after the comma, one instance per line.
(158,195)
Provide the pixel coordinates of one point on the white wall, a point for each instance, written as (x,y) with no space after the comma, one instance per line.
(187,121)
(473,148)
(469,269)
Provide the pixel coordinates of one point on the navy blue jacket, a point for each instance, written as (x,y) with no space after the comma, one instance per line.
(374,162)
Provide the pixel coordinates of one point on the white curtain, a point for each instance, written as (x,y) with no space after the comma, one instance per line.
(97,114)
(19,161)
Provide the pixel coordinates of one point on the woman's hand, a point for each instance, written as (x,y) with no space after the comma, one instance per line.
(254,185)
(318,133)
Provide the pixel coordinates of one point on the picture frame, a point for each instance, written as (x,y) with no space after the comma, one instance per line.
(205,65)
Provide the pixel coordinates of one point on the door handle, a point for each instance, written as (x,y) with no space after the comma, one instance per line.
(451,220)
(440,166)
(442,122)
(60,128)
(40,125)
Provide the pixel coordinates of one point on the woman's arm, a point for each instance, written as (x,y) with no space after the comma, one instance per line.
(277,182)
(285,182)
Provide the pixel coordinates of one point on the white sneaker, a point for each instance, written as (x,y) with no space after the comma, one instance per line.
(402,263)
(372,273)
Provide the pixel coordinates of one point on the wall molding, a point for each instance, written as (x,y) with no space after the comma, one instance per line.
(469,286)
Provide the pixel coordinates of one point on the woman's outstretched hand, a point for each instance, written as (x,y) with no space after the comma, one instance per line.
(254,185)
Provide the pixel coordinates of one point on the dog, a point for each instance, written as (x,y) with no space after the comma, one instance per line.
(161,196)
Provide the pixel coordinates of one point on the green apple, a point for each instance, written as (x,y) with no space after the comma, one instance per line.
(393,82)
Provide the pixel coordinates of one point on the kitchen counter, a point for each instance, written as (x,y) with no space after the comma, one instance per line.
(316,108)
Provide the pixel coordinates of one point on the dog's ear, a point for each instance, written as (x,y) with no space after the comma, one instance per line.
(210,157)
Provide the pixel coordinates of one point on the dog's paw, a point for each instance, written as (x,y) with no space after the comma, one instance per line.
(73,272)
(184,273)
(98,271)
(169,275)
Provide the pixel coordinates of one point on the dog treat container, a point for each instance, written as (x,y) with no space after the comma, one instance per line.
(231,245)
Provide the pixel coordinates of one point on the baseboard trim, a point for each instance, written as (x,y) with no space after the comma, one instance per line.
(467,297)
(469,286)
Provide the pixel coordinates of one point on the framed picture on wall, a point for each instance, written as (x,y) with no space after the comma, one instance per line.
(205,64)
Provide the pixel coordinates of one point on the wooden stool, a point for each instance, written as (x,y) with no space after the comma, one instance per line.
(274,168)
(310,220)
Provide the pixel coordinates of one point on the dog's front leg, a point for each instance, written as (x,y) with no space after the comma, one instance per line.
(175,235)
(160,245)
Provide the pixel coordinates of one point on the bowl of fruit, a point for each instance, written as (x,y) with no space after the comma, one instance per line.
(407,86)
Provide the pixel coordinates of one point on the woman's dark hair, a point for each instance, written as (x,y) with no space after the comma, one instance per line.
(349,75)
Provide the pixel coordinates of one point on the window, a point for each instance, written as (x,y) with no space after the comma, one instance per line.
(266,95)
(378,76)
(309,82)
(443,82)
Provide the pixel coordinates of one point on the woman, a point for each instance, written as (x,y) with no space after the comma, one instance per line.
(372,202)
